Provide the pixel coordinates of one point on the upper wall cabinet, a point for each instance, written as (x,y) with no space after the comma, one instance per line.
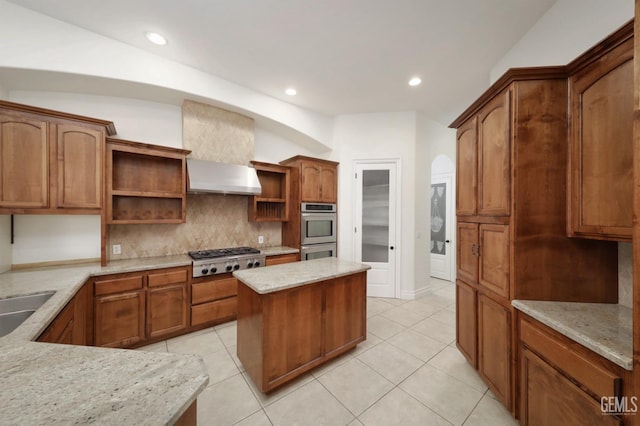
(50,162)
(318,179)
(601,139)
(145,183)
(483,161)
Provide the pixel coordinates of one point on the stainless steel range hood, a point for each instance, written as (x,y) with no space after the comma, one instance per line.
(222,178)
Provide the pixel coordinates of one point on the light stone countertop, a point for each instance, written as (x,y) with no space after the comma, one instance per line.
(47,383)
(604,328)
(295,274)
(277,250)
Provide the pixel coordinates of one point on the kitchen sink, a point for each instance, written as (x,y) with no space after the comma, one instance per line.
(15,310)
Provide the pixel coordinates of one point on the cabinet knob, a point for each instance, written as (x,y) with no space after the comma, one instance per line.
(447,241)
(391,247)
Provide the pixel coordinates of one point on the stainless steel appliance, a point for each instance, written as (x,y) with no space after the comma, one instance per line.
(317,251)
(220,261)
(318,223)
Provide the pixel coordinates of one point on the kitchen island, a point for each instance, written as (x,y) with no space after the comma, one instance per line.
(296,316)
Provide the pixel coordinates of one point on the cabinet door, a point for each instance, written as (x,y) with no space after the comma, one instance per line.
(549,398)
(467,252)
(310,175)
(293,330)
(328,185)
(345,313)
(119,319)
(466,322)
(494,347)
(494,259)
(167,309)
(493,157)
(24,162)
(467,169)
(601,147)
(80,151)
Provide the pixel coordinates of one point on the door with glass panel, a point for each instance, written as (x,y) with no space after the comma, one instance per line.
(375,225)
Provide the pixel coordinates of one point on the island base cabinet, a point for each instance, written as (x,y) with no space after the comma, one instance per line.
(286,333)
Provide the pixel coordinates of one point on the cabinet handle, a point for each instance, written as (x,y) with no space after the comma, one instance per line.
(478,250)
(473,249)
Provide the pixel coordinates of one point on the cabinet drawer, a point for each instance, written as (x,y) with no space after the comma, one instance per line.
(598,380)
(280,259)
(168,277)
(212,290)
(214,311)
(118,285)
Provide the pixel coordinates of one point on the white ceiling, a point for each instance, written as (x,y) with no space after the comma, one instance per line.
(342,56)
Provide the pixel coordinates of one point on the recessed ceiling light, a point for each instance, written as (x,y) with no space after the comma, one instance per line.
(156,38)
(415,81)
(290,91)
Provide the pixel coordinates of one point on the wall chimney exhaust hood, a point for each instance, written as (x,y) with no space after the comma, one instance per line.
(221,178)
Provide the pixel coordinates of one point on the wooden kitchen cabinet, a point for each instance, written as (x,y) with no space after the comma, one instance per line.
(272,205)
(312,180)
(563,382)
(466,322)
(601,147)
(24,162)
(213,299)
(167,302)
(283,334)
(483,158)
(494,347)
(512,167)
(136,308)
(145,183)
(318,179)
(51,162)
(282,258)
(483,256)
(69,326)
(119,309)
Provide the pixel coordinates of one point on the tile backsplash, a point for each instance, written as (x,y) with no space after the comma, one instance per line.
(213,220)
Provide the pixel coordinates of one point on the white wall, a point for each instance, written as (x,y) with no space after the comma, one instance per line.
(433,139)
(52,45)
(568,29)
(136,120)
(5,243)
(378,136)
(4,92)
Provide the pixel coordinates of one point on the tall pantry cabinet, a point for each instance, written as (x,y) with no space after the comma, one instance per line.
(511,213)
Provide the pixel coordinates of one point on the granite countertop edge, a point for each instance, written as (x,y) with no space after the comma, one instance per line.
(278,250)
(19,345)
(296,274)
(565,318)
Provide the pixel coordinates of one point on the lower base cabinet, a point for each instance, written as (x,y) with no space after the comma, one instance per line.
(283,334)
(130,309)
(69,327)
(563,383)
(484,337)
(467,322)
(494,347)
(213,299)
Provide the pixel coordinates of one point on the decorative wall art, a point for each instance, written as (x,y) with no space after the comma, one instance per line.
(438,218)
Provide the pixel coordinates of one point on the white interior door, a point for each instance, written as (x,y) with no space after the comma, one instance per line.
(376,223)
(441,226)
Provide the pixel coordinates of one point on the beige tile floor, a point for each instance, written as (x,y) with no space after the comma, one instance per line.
(407,372)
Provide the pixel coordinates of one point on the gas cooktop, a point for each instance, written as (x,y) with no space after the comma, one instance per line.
(224,260)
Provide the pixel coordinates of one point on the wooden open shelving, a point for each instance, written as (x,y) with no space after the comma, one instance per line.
(272,204)
(145,183)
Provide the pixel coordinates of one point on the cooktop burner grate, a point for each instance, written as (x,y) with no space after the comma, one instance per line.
(223,252)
